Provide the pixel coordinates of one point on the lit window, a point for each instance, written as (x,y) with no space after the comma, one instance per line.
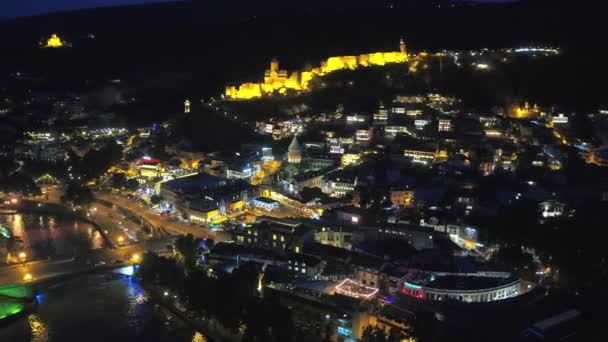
(274,236)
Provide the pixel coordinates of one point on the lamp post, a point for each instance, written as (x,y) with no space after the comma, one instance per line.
(135,258)
(23,257)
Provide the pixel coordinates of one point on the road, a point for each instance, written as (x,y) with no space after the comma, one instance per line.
(117,228)
(168,224)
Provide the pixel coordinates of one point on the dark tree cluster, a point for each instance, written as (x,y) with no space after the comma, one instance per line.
(77,194)
(230,298)
(96,162)
(13,180)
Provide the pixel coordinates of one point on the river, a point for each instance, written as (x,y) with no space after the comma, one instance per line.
(46,235)
(97,308)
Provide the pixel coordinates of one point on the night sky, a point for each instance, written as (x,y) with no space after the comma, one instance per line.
(18,8)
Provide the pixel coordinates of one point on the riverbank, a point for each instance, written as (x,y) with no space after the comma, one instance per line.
(209,327)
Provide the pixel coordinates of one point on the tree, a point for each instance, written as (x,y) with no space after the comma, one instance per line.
(118,180)
(209,242)
(514,259)
(268,322)
(396,335)
(516,222)
(132,184)
(187,250)
(156,199)
(77,194)
(373,334)
(96,162)
(19,182)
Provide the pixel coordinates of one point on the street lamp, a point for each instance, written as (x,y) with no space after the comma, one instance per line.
(27,278)
(22,256)
(121,240)
(135,258)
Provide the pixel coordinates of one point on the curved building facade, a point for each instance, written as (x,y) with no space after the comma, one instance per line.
(460,288)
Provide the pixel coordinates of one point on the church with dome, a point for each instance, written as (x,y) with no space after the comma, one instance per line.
(294,152)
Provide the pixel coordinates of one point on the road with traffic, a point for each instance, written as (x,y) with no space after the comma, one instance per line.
(167,223)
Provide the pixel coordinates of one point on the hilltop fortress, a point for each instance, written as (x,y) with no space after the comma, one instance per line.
(280,81)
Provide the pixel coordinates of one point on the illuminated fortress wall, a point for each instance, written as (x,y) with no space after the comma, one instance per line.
(277,80)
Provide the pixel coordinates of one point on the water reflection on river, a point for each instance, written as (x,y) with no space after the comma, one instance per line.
(49,235)
(94,308)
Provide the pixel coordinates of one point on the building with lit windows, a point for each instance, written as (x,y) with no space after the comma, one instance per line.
(444,125)
(150,168)
(338,184)
(356,119)
(40,146)
(239,170)
(423,154)
(305,266)
(342,236)
(350,159)
(275,234)
(202,197)
(393,131)
(319,161)
(381,117)
(551,208)
(265,203)
(363,136)
(402,197)
(421,122)
(559,119)
(309,179)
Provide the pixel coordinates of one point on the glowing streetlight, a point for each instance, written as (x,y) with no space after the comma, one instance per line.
(135,258)
(28,278)
(22,256)
(121,240)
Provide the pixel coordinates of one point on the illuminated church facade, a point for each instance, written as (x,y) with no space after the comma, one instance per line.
(54,42)
(281,81)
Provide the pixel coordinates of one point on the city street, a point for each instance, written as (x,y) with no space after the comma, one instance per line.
(168,224)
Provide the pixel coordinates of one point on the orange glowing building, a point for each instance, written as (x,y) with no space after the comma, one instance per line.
(280,81)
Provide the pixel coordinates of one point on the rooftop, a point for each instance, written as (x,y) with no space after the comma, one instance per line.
(458,282)
(194,183)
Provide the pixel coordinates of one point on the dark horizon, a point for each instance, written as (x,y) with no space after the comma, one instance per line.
(27,8)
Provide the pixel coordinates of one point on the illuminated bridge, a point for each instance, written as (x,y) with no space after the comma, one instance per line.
(14,299)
